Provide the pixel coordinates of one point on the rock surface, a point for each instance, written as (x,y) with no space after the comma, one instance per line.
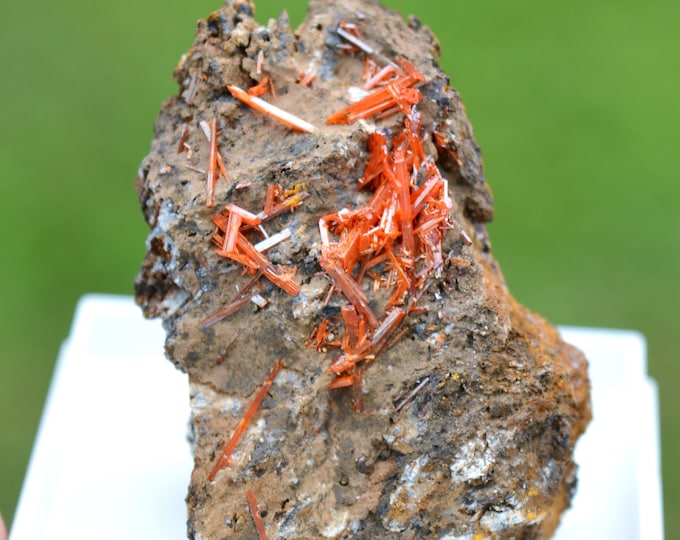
(470,418)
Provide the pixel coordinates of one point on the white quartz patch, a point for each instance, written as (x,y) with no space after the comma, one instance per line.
(476,457)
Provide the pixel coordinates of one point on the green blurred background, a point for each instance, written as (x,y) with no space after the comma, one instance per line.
(574,104)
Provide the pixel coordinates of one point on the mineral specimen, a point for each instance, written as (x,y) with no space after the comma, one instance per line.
(317,210)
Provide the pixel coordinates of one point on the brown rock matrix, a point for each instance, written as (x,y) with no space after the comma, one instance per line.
(319,257)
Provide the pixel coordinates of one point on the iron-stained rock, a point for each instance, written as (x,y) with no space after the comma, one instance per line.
(470,418)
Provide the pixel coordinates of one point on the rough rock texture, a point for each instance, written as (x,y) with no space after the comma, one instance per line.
(470,418)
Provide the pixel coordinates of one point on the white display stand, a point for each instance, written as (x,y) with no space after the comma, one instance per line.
(111,459)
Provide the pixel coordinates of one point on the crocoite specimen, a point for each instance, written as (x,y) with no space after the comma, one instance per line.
(317,210)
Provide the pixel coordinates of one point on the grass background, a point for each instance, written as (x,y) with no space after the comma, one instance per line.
(574,105)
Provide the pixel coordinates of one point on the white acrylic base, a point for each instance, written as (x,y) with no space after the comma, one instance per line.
(111,459)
